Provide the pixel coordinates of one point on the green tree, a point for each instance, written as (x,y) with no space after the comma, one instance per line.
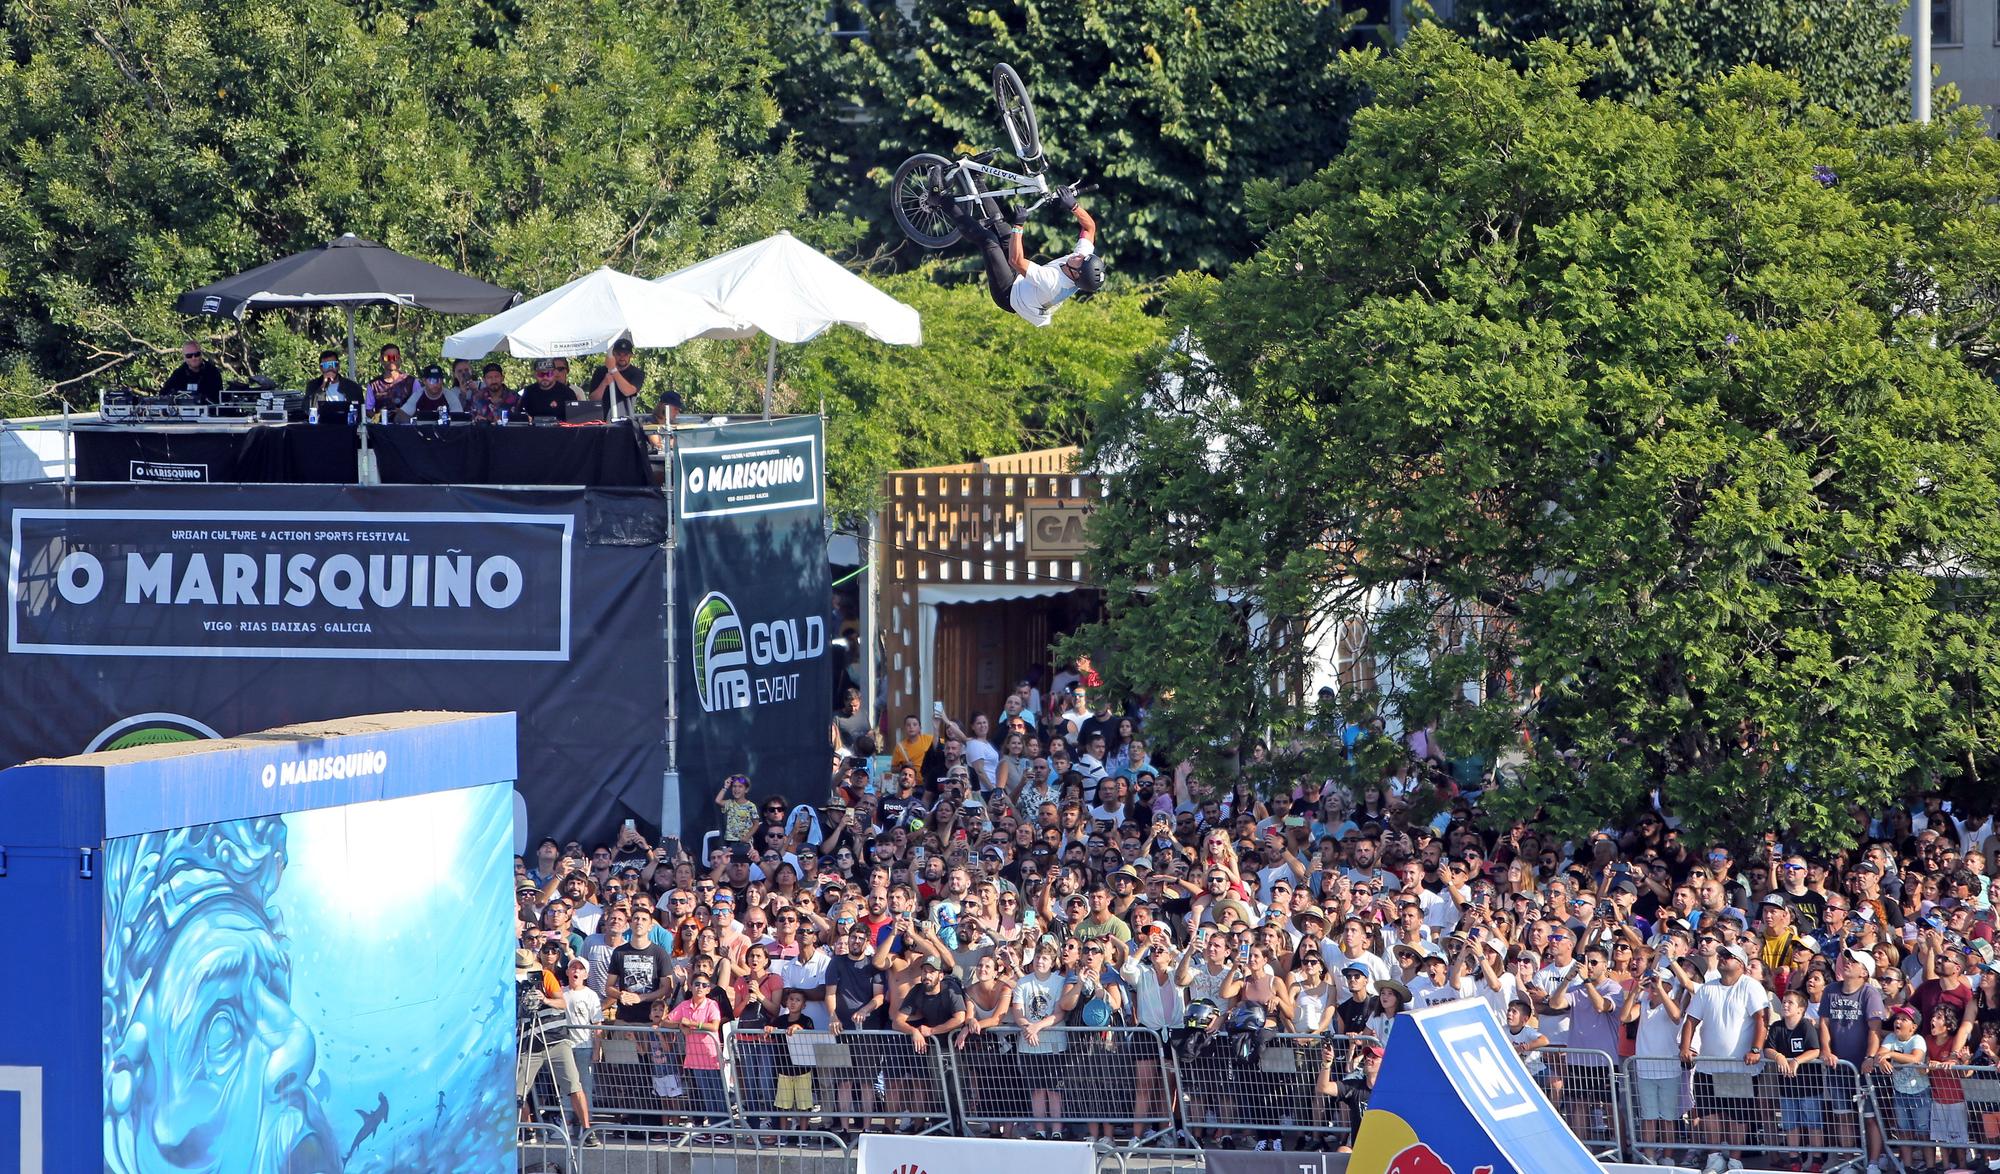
(1849,55)
(157,145)
(1671,431)
(982,383)
(1170,105)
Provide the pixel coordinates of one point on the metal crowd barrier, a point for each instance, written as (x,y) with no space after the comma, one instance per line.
(543,1149)
(877,1077)
(710,1150)
(634,1077)
(1953,1108)
(1151,1160)
(1582,1083)
(1265,1086)
(1070,1079)
(1760,1117)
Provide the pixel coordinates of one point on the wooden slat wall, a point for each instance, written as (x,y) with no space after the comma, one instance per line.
(967,524)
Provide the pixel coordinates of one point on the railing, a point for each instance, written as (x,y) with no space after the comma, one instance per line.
(1139,1091)
(1258,1086)
(543,1149)
(1758,1115)
(1110,1082)
(879,1078)
(1583,1085)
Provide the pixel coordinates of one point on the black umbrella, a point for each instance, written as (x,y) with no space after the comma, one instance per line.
(347,272)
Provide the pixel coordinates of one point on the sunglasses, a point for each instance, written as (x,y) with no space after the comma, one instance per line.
(190,354)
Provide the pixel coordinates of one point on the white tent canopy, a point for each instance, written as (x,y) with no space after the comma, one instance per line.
(790,291)
(586,316)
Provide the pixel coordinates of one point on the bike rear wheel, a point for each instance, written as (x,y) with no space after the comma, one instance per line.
(923,214)
(1017,114)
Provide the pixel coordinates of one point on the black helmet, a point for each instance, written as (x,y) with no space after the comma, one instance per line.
(1200,1014)
(1089,274)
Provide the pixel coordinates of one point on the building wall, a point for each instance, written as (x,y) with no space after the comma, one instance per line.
(1965,47)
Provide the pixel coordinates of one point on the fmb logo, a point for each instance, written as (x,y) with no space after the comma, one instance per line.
(732,657)
(1486,1071)
(721,666)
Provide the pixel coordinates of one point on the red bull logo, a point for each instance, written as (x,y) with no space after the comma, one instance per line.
(1422,1159)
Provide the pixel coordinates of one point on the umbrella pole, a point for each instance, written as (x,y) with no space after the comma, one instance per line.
(770,378)
(350,345)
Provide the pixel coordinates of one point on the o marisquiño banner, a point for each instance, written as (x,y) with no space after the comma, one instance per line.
(752,610)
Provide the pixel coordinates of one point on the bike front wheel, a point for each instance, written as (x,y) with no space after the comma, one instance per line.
(922,212)
(1017,114)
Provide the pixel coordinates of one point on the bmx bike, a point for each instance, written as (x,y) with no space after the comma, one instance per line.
(927,187)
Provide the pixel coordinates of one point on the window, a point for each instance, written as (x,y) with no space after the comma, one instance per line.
(1945,29)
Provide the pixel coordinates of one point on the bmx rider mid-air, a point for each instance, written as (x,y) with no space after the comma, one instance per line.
(1029,289)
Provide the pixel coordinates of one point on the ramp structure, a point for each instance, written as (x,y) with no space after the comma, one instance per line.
(1453,1098)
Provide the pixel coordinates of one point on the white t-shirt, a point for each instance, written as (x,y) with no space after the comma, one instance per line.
(1658,1042)
(1424,993)
(1728,1016)
(1038,292)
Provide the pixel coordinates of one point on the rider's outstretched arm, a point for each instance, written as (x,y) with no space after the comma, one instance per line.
(1086,225)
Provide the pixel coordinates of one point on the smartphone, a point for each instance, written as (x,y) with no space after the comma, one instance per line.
(937,709)
(631,825)
(1243,954)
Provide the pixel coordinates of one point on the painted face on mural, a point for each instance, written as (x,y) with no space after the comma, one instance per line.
(229,1088)
(209,1068)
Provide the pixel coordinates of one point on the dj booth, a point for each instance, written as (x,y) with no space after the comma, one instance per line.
(329,453)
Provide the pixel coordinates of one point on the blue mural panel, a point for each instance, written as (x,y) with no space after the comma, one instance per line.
(315,991)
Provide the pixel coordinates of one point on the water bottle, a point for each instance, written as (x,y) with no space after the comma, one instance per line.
(368,400)
(503,415)
(312,414)
(351,419)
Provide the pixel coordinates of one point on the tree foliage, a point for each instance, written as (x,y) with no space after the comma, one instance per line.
(1666,433)
(157,145)
(1171,105)
(1849,55)
(983,383)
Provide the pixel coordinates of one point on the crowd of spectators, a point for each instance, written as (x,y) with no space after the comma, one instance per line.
(1041,868)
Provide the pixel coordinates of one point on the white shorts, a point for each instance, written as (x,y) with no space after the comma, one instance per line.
(1948,1123)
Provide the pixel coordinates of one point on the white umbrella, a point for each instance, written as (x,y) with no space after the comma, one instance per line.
(793,293)
(586,316)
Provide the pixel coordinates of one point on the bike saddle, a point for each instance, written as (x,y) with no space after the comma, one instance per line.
(986,156)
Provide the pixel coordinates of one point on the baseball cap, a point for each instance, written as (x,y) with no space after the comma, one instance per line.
(433,372)
(1776,900)
(1354,968)
(623,346)
(542,365)
(933,962)
(1738,953)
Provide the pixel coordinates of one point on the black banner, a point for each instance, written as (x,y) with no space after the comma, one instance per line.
(752,612)
(486,454)
(142,613)
(182,454)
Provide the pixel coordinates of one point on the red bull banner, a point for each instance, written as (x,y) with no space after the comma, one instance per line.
(1453,1098)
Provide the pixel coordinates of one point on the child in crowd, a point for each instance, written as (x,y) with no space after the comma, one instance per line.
(1901,1057)
(795,1082)
(1792,1045)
